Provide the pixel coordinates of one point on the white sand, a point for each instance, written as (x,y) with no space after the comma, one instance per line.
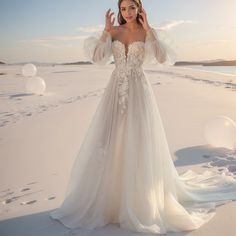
(41,135)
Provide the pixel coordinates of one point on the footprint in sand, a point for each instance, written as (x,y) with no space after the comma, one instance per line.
(50,198)
(156,83)
(206,156)
(25,189)
(28,203)
(7,201)
(32,183)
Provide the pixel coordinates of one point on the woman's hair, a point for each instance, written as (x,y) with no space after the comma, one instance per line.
(121,19)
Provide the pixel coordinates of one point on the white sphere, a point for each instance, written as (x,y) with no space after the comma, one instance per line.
(221,132)
(29,70)
(35,85)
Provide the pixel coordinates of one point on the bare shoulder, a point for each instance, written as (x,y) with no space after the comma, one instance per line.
(115,30)
(121,32)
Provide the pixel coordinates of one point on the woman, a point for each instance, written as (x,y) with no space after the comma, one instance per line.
(124,172)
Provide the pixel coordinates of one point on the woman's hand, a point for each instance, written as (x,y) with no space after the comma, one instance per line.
(144,21)
(109,23)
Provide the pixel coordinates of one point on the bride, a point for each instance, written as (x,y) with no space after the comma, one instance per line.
(124,172)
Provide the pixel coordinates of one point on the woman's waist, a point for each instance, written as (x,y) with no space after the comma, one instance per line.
(128,70)
(126,66)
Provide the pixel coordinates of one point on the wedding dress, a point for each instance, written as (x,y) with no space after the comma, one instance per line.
(124,172)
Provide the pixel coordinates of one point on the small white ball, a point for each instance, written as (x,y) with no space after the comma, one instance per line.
(29,70)
(35,85)
(221,132)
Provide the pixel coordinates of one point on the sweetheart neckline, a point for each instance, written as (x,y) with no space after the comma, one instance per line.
(116,40)
(128,45)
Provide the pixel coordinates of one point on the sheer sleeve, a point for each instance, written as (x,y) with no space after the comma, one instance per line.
(98,49)
(157,51)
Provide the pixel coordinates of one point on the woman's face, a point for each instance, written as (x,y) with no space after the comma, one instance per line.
(129,10)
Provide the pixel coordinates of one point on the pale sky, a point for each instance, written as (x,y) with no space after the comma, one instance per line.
(54,30)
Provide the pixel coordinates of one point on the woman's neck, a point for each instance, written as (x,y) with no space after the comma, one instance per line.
(132,26)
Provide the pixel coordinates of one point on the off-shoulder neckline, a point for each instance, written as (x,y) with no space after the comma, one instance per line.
(127,46)
(138,41)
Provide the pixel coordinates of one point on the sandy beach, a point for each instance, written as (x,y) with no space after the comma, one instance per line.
(41,135)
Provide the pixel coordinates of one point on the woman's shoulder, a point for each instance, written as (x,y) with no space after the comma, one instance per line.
(121,28)
(116,28)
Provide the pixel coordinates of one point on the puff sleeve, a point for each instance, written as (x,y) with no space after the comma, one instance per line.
(157,51)
(98,49)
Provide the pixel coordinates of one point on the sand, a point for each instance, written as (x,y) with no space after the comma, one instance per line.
(41,135)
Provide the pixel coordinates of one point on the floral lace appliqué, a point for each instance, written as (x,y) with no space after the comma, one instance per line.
(128,67)
(125,74)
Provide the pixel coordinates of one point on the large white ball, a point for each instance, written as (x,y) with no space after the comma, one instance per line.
(221,132)
(29,70)
(35,85)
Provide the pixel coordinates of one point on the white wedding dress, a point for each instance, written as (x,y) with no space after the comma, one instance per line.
(124,172)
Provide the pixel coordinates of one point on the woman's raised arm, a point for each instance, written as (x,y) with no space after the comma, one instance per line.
(99,49)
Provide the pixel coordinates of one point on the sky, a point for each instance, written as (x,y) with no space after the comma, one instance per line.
(54,30)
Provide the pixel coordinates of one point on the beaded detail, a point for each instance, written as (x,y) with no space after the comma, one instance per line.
(128,67)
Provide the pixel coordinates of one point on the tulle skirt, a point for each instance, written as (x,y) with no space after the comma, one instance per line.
(124,172)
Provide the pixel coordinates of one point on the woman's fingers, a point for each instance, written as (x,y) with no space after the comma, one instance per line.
(111,15)
(143,10)
(108,11)
(113,21)
(143,15)
(141,20)
(109,21)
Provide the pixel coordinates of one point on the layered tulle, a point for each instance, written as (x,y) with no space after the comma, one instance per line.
(124,172)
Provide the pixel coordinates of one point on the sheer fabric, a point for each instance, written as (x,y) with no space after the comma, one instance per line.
(157,51)
(102,54)
(124,172)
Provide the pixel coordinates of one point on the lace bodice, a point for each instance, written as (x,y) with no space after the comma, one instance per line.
(128,66)
(134,56)
(128,59)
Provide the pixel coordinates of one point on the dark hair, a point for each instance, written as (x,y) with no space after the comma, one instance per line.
(121,19)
